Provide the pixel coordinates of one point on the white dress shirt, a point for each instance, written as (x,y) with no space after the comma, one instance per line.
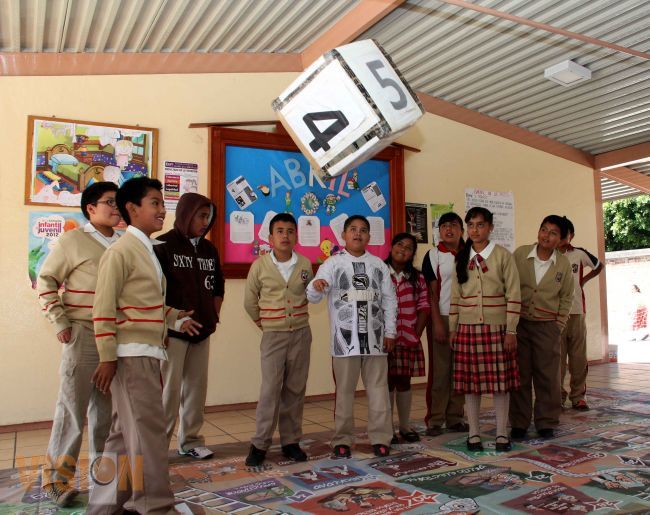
(285,267)
(103,240)
(541,266)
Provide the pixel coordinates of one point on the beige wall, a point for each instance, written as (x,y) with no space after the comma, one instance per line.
(453,157)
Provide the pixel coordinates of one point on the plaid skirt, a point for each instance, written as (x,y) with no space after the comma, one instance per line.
(480,363)
(406,361)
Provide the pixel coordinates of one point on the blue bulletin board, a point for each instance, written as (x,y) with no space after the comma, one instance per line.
(254,180)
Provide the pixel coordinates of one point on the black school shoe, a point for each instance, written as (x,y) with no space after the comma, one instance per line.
(341,451)
(546,432)
(410,436)
(518,433)
(294,452)
(474,446)
(502,446)
(381,450)
(255,457)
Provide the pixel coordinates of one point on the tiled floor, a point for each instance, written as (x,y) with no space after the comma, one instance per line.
(28,447)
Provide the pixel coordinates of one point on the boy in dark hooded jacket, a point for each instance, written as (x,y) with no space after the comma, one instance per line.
(195,280)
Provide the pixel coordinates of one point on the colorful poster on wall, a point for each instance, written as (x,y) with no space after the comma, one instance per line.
(261,183)
(416,221)
(66,156)
(437,210)
(45,227)
(502,206)
(179,178)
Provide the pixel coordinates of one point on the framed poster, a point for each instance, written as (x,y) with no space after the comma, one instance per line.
(255,175)
(65,156)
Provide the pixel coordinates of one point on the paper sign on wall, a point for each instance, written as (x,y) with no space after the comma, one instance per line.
(502,205)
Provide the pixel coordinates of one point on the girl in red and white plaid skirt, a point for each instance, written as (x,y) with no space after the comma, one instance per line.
(406,360)
(485,307)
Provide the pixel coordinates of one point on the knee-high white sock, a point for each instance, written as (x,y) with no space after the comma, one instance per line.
(473,409)
(404,410)
(501,405)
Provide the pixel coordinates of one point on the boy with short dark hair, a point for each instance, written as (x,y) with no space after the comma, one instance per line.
(546,297)
(574,335)
(73,261)
(363,312)
(275,300)
(191,266)
(130,327)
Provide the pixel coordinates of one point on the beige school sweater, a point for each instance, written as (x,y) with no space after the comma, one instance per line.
(490,297)
(275,303)
(551,299)
(73,261)
(129,303)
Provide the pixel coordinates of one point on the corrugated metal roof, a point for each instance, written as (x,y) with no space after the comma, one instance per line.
(612,190)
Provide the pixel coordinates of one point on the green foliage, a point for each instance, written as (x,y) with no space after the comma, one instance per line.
(627,223)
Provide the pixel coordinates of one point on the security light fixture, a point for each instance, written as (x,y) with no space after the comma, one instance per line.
(567,73)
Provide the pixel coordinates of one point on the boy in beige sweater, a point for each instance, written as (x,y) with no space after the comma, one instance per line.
(73,262)
(275,300)
(130,321)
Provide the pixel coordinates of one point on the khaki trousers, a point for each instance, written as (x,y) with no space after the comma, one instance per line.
(77,398)
(538,357)
(185,388)
(285,367)
(374,374)
(574,347)
(136,446)
(442,404)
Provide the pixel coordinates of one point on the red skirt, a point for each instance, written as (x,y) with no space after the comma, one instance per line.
(406,361)
(480,363)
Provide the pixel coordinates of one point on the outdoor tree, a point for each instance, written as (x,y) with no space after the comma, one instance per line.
(627,223)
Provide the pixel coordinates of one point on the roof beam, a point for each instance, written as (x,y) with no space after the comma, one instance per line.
(486,123)
(623,156)
(360,18)
(629,177)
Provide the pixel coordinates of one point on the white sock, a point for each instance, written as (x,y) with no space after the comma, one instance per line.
(501,405)
(404,410)
(473,409)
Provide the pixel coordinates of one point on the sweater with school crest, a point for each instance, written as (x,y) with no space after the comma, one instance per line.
(362,303)
(276,304)
(72,262)
(130,300)
(552,298)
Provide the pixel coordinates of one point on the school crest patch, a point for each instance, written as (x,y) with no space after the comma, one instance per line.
(304,276)
(558,277)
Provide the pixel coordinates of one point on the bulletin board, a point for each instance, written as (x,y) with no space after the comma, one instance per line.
(255,175)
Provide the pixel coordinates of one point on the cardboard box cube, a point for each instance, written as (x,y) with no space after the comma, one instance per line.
(348,105)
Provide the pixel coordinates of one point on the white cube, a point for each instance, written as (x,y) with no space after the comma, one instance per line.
(348,105)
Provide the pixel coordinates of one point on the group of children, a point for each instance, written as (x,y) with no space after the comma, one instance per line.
(136,315)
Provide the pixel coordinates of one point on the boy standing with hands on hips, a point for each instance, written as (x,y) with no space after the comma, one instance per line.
(363,312)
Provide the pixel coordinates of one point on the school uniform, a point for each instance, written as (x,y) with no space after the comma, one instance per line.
(443,405)
(362,310)
(130,321)
(574,335)
(275,299)
(482,310)
(546,298)
(73,262)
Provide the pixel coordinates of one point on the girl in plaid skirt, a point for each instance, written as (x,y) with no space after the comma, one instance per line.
(485,307)
(406,360)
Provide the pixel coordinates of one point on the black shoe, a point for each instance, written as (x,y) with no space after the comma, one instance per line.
(394,440)
(381,450)
(458,427)
(581,405)
(294,452)
(410,436)
(503,446)
(341,451)
(547,432)
(518,433)
(434,431)
(255,457)
(474,446)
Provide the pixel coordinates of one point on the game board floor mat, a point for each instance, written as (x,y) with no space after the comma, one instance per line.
(599,462)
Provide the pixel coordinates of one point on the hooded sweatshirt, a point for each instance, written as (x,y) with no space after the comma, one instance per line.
(191,266)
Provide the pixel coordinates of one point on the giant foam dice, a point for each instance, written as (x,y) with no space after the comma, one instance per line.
(348,105)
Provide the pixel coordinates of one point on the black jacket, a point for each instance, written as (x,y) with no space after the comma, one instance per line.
(193,273)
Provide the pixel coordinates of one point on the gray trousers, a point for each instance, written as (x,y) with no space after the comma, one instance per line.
(374,374)
(185,387)
(538,357)
(77,398)
(285,366)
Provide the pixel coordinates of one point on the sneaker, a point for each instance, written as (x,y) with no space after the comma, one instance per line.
(60,493)
(381,450)
(434,431)
(581,405)
(255,457)
(294,452)
(198,453)
(341,451)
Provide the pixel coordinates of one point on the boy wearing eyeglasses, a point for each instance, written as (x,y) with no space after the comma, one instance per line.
(73,262)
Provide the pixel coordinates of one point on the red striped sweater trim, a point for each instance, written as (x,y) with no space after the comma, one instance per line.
(102,335)
(79,291)
(494,305)
(469,297)
(273,318)
(48,293)
(301,305)
(102,319)
(513,312)
(493,296)
(547,311)
(148,320)
(50,303)
(167,312)
(271,309)
(300,314)
(513,302)
(77,306)
(140,308)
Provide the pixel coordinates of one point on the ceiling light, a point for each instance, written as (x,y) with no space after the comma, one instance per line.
(567,73)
